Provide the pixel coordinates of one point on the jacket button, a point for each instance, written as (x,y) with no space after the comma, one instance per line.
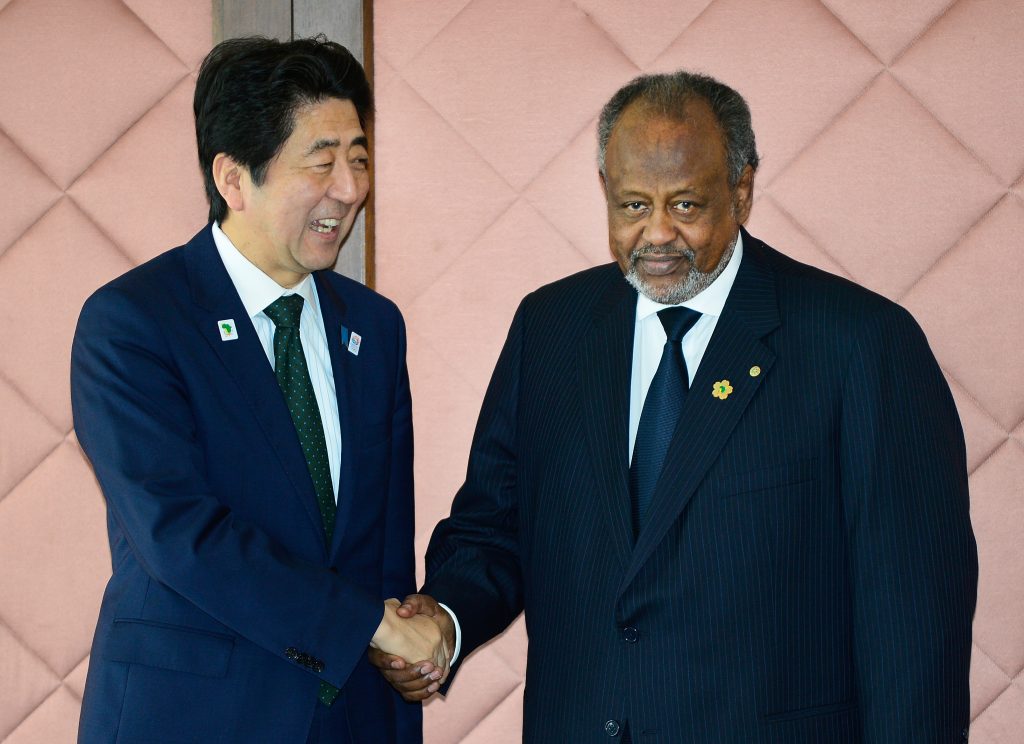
(630,634)
(611,728)
(318,666)
(291,653)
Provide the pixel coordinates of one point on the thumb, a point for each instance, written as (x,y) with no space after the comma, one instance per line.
(416,604)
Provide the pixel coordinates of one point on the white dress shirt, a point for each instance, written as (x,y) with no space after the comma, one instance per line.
(649,336)
(257,291)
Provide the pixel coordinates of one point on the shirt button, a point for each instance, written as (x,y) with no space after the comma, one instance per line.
(630,634)
(611,728)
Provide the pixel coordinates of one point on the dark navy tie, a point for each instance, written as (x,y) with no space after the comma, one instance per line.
(660,413)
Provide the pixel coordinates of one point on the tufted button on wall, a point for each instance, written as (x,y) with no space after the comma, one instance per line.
(612,727)
(630,634)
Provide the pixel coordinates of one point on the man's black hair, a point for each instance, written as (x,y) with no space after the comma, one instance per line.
(249,90)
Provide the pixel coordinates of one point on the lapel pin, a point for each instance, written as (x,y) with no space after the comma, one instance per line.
(227,329)
(755,371)
(354,341)
(722,389)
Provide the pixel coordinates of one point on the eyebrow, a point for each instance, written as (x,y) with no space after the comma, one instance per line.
(323,144)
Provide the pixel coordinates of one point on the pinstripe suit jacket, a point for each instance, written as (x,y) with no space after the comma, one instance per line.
(809,570)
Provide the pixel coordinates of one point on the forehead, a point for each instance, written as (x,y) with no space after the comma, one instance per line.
(329,119)
(648,142)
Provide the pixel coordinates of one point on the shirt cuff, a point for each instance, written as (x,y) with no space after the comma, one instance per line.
(458,633)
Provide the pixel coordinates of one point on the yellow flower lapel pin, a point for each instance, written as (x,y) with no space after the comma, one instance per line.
(721,389)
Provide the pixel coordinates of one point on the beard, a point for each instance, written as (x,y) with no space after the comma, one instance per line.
(695,281)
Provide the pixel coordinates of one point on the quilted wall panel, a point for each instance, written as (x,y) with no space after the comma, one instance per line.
(98,172)
(890,136)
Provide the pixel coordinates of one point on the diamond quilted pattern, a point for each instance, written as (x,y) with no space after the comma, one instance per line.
(102,84)
(188,35)
(968,331)
(1003,721)
(982,432)
(960,70)
(25,198)
(55,559)
(997,511)
(75,680)
(796,65)
(988,681)
(440,229)
(886,27)
(27,681)
(481,87)
(481,687)
(66,254)
(402,28)
(22,450)
(494,727)
(631,28)
(568,193)
(474,346)
(56,720)
(770,223)
(886,234)
(125,191)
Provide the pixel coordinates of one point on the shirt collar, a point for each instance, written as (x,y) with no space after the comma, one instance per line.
(256,289)
(709,302)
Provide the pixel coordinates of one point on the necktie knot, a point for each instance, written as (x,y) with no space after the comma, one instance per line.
(677,321)
(285,311)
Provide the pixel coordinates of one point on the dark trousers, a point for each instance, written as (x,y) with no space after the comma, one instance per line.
(330,725)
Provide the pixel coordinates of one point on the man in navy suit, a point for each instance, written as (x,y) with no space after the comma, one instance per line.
(729,490)
(248,417)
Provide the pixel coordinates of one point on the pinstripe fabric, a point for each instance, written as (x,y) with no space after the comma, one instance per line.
(808,572)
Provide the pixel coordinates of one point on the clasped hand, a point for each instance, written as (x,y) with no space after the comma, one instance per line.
(413,646)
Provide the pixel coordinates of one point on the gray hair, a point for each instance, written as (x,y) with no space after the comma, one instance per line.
(669,93)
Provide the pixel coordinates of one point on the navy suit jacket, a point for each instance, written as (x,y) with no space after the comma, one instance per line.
(227,605)
(808,572)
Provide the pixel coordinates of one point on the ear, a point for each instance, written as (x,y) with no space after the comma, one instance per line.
(229,177)
(743,195)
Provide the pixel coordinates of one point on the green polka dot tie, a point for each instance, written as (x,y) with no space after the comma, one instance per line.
(293,377)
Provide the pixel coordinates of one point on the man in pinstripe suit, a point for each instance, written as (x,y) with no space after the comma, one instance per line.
(805,570)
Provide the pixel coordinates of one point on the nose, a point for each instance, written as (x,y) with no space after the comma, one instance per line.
(347,186)
(659,230)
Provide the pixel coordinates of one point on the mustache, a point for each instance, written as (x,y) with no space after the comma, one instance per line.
(649,249)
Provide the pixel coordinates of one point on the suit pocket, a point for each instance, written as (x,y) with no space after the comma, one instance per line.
(767,478)
(813,712)
(172,647)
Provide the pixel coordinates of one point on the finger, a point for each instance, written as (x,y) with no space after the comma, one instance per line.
(383,660)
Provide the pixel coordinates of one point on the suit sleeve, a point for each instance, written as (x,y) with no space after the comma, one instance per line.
(473,559)
(399,568)
(913,556)
(134,420)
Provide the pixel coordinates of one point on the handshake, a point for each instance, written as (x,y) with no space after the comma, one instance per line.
(413,646)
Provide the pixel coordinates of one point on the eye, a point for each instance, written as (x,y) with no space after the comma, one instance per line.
(634,207)
(323,167)
(361,162)
(685,206)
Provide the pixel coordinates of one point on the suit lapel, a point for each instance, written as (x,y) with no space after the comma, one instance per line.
(706,422)
(215,300)
(348,386)
(605,367)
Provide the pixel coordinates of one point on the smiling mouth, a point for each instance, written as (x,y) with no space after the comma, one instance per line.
(660,264)
(325,226)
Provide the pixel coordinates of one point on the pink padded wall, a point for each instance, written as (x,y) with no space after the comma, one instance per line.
(891,139)
(98,172)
